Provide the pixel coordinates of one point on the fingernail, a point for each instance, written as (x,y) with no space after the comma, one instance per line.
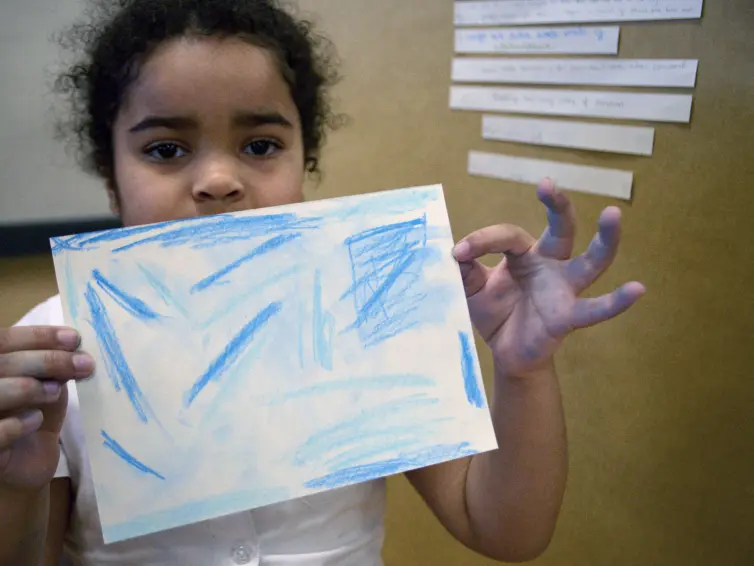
(52,390)
(30,421)
(84,364)
(69,339)
(461,250)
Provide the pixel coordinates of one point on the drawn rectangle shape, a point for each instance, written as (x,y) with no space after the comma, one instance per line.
(631,140)
(256,357)
(525,12)
(602,72)
(571,40)
(594,104)
(593,180)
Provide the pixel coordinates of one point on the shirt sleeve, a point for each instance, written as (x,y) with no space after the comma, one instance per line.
(38,316)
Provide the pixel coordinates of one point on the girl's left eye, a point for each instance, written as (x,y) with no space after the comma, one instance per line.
(262,148)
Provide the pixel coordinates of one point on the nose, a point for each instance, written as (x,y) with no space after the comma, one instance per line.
(218,181)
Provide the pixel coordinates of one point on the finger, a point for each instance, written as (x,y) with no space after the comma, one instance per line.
(20,338)
(20,392)
(588,312)
(557,240)
(49,364)
(16,427)
(474,276)
(500,239)
(585,269)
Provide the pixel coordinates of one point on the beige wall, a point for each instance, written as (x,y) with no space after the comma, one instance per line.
(659,402)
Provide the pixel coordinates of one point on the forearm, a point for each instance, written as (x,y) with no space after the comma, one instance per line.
(514,494)
(23,526)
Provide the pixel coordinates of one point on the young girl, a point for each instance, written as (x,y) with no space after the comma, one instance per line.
(198,107)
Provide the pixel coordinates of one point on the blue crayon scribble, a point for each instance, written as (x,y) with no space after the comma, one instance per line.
(360,384)
(361,454)
(135,306)
(235,381)
(389,203)
(302,320)
(157,286)
(474,393)
(128,458)
(88,241)
(324,326)
(266,247)
(233,304)
(70,291)
(232,351)
(117,366)
(404,462)
(162,290)
(196,233)
(216,231)
(385,264)
(382,421)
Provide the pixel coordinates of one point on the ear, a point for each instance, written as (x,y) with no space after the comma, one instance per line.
(112,195)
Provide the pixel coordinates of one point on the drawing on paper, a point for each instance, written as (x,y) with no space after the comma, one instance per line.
(251,358)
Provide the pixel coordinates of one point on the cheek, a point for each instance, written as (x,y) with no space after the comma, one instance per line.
(287,188)
(146,198)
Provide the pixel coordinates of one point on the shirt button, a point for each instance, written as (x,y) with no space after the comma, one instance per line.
(241,554)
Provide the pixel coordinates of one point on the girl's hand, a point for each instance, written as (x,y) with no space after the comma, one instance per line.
(35,364)
(529,302)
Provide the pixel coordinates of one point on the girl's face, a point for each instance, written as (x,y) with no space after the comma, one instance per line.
(208,127)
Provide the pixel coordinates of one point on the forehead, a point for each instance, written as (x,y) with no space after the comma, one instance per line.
(208,76)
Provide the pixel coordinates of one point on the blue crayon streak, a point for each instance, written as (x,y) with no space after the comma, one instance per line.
(324,325)
(376,383)
(266,247)
(126,457)
(404,462)
(233,381)
(195,511)
(474,393)
(71,295)
(359,455)
(392,203)
(118,369)
(377,422)
(162,290)
(232,351)
(215,231)
(133,305)
(232,305)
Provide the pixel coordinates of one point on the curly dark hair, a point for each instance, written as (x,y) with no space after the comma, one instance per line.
(117,36)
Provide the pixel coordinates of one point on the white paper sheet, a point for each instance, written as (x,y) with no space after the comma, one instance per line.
(605,72)
(620,105)
(521,12)
(593,180)
(572,40)
(562,133)
(250,358)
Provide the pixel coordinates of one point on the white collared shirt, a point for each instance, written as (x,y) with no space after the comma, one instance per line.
(342,527)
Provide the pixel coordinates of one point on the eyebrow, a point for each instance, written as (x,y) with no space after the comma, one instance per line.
(165,122)
(255,119)
(240,119)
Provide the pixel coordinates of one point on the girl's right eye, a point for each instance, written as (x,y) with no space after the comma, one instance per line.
(165,151)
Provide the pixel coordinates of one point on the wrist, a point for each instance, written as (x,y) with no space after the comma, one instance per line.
(534,375)
(11,495)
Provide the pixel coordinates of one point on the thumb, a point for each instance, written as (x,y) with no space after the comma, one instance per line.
(54,414)
(474,276)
